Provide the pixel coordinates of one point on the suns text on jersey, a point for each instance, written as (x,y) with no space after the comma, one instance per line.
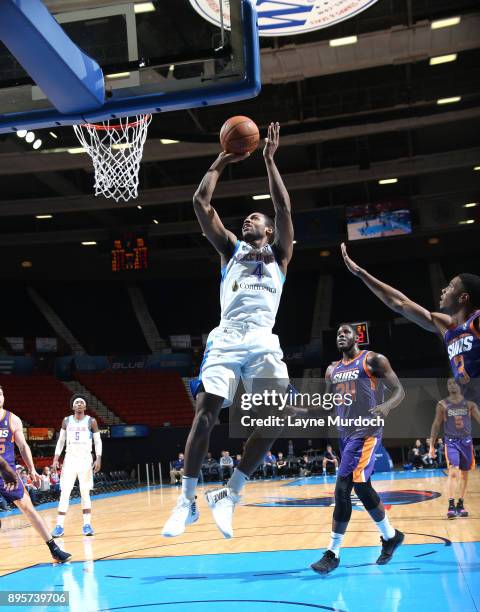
(460,345)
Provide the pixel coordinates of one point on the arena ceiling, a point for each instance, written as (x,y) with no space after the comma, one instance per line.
(350,116)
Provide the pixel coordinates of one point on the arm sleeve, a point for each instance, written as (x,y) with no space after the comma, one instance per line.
(97,440)
(60,442)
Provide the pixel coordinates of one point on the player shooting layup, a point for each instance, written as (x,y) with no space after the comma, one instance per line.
(11,487)
(253,270)
(78,430)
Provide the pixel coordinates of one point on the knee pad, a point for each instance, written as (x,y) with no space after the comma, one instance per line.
(367,494)
(343,501)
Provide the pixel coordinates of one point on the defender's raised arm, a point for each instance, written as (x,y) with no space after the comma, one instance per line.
(398,302)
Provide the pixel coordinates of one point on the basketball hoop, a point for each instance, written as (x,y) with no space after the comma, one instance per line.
(116,150)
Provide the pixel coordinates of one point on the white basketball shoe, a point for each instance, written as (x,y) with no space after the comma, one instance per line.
(222,503)
(185,513)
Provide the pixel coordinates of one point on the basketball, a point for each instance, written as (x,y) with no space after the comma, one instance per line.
(239,135)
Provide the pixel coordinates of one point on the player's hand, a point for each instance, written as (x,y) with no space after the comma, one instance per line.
(36,478)
(55,464)
(232,158)
(351,265)
(381,410)
(272,141)
(97,465)
(432,452)
(10,478)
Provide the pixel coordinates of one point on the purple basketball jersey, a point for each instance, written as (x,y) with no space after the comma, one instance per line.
(463,347)
(457,420)
(7,444)
(353,378)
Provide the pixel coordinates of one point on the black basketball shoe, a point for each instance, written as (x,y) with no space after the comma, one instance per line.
(327,563)
(389,547)
(57,553)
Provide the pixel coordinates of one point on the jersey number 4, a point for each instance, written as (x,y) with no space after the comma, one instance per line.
(258,272)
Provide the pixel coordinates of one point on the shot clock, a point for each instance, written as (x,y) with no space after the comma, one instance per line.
(362,333)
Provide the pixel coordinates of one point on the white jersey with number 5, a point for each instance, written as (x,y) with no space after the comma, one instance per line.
(251,286)
(79,437)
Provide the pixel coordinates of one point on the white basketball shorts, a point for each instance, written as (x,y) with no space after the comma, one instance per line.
(77,467)
(240,350)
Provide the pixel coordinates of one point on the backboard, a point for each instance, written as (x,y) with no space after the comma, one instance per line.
(155,57)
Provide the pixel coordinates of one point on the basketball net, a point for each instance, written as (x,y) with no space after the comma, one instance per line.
(116,149)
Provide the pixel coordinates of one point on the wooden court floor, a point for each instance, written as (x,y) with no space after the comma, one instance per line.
(296,515)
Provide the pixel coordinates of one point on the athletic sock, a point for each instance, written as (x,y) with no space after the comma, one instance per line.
(335,543)
(87,517)
(387,531)
(189,485)
(51,544)
(60,520)
(237,481)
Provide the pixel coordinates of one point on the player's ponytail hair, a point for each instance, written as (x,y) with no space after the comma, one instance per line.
(471,285)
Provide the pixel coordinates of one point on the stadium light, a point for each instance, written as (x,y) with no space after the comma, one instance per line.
(443,59)
(30,137)
(324,253)
(155,221)
(265,196)
(139,207)
(389,181)
(470,205)
(449,100)
(168,141)
(467,222)
(118,75)
(445,23)
(37,144)
(476,168)
(21,133)
(144,7)
(75,150)
(89,243)
(43,216)
(340,42)
(53,135)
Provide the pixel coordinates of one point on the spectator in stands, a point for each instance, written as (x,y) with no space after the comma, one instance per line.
(306,465)
(226,465)
(237,460)
(415,455)
(291,449)
(210,467)
(329,459)
(176,471)
(269,464)
(29,486)
(427,460)
(54,479)
(45,476)
(281,465)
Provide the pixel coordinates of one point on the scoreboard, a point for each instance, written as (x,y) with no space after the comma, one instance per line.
(361,329)
(129,254)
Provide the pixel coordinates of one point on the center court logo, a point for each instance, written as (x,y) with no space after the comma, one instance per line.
(280,18)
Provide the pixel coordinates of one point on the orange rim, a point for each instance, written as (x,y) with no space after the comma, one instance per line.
(118,126)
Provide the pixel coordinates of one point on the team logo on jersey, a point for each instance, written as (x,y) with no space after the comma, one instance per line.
(461,345)
(280,18)
(343,376)
(4,433)
(389,498)
(235,286)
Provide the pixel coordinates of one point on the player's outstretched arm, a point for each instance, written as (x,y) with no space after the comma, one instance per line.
(381,368)
(437,423)
(280,198)
(25,451)
(431,321)
(222,239)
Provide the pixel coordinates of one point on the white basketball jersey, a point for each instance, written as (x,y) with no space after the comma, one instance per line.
(79,436)
(251,286)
